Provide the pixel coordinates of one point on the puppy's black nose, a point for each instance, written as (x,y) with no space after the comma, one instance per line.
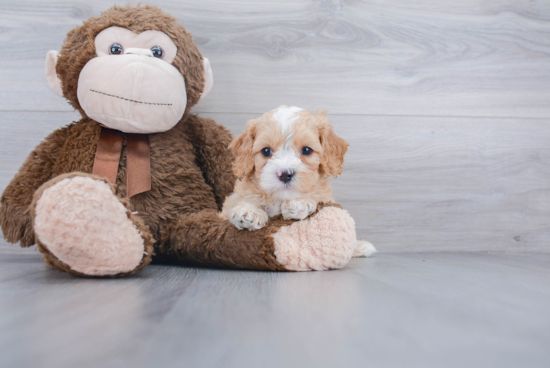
(286,176)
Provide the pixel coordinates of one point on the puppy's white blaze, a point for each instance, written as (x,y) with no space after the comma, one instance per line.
(285,117)
(285,158)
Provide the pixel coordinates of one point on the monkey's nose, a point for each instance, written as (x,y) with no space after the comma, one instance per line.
(138,51)
(286,176)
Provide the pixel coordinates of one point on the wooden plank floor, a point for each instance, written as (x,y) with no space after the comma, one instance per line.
(393,310)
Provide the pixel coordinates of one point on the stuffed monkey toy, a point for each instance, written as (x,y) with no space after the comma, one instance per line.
(140,177)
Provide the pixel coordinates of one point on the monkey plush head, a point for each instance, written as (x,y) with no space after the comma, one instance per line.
(133,69)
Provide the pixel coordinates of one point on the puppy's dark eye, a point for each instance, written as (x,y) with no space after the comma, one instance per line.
(116,49)
(306,151)
(157,52)
(266,152)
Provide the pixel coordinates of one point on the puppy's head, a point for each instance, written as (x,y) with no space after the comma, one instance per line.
(288,150)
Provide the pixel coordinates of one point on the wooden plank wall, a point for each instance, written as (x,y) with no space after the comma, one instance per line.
(445,103)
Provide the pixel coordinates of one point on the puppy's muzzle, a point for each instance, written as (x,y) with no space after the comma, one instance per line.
(286,176)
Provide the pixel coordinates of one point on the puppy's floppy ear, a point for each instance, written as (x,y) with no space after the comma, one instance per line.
(242,148)
(334,147)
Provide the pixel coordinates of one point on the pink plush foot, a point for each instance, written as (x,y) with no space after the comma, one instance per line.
(323,241)
(82,223)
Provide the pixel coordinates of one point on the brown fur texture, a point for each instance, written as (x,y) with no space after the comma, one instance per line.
(179,184)
(79,48)
(207,239)
(190,165)
(39,167)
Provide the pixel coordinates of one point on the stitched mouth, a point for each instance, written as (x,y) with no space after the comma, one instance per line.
(130,100)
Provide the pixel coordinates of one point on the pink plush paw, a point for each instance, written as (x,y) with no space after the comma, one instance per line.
(324,241)
(82,223)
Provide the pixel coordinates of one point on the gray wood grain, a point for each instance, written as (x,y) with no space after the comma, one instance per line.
(394,310)
(411,183)
(467,58)
(392,76)
(445,105)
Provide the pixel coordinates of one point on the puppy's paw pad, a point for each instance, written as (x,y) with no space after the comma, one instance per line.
(249,217)
(298,209)
(364,249)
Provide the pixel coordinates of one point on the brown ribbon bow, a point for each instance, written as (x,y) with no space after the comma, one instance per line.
(138,159)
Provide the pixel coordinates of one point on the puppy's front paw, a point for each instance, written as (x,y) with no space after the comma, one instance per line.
(298,209)
(248,216)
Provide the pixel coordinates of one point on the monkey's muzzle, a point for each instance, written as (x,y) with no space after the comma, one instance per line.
(132,93)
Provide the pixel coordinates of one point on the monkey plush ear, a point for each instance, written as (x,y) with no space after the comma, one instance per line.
(208,78)
(51,75)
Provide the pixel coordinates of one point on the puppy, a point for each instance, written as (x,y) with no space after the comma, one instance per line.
(283,162)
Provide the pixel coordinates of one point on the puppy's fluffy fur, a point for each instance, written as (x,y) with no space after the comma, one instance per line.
(283,162)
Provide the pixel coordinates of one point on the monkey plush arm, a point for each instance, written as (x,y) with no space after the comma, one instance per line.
(15,216)
(211,142)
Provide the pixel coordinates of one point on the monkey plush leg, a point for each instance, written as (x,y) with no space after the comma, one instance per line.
(325,240)
(81,227)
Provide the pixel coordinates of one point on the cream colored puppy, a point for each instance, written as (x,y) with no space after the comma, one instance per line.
(283,162)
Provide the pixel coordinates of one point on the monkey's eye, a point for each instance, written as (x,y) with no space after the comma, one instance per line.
(266,152)
(306,151)
(116,49)
(157,52)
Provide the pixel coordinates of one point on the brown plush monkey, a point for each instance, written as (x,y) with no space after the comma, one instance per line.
(139,175)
